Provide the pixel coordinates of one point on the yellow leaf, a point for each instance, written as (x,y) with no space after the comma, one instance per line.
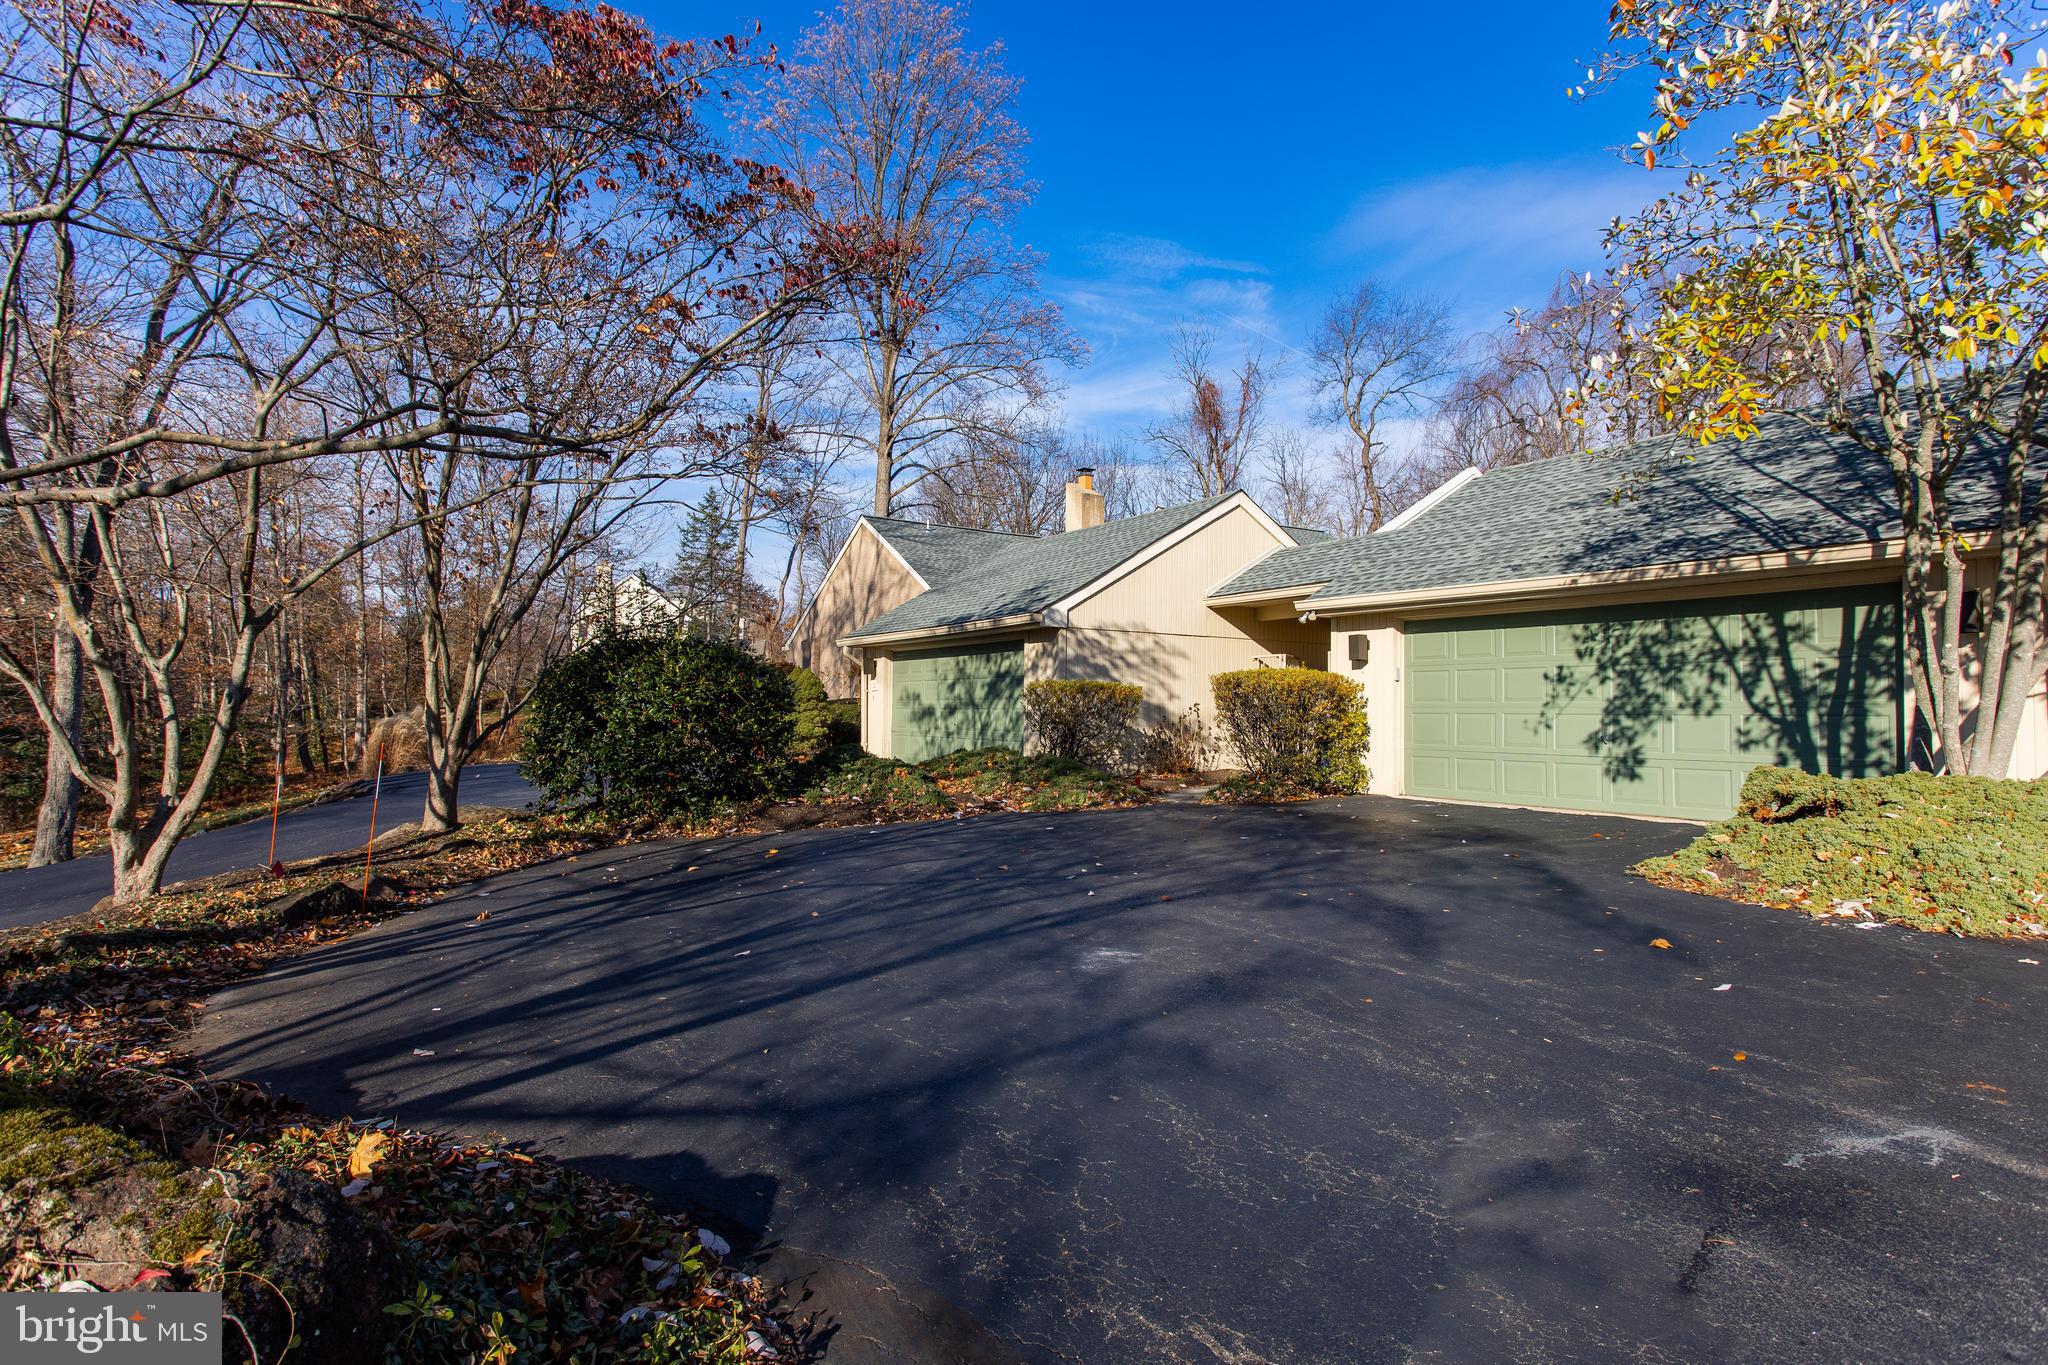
(196,1255)
(1660,943)
(368,1151)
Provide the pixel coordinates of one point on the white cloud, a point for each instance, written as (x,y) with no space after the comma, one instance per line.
(1494,237)
(1158,258)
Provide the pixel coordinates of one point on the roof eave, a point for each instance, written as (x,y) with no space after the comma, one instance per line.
(1018,621)
(1789,563)
(1263,596)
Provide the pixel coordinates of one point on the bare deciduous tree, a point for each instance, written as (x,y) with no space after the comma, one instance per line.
(905,140)
(1375,356)
(1216,426)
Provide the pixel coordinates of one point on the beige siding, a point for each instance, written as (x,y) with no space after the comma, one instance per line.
(1151,627)
(2030,751)
(868,580)
(1380,676)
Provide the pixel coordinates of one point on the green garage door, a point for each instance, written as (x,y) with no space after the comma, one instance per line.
(954,699)
(1653,711)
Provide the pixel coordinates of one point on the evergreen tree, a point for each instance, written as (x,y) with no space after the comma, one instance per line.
(705,580)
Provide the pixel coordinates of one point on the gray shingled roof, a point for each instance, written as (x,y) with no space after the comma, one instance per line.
(937,553)
(1306,535)
(1019,574)
(1789,487)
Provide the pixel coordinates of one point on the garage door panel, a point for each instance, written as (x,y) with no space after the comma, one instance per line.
(1703,735)
(1476,685)
(1707,787)
(1527,732)
(1526,781)
(1433,728)
(1577,783)
(1429,686)
(1475,777)
(1476,730)
(1655,710)
(1525,686)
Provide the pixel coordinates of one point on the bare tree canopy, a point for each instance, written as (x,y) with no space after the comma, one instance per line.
(1217,424)
(905,139)
(1378,355)
(253,250)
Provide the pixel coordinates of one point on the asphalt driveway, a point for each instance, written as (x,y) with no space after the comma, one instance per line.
(36,895)
(1362,1080)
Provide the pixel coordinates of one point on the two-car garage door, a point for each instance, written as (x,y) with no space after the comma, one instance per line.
(1657,711)
(943,701)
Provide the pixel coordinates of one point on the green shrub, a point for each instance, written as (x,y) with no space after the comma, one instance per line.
(895,791)
(813,713)
(1300,727)
(842,721)
(667,726)
(1966,855)
(1084,720)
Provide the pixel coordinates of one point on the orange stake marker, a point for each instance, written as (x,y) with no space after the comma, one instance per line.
(370,848)
(276,795)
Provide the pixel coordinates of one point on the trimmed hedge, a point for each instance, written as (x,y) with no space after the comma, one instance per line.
(667,726)
(1294,728)
(1083,720)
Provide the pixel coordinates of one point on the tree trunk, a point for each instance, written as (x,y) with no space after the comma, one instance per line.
(57,817)
(444,782)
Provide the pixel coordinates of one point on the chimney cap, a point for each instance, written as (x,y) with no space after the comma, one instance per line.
(1081,469)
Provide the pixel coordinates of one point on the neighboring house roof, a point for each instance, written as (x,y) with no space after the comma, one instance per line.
(1306,535)
(1022,575)
(936,553)
(1788,488)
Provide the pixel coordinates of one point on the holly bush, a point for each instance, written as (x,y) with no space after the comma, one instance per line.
(668,726)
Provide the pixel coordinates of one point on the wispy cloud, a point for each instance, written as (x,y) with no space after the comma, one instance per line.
(1158,258)
(1127,294)
(1494,237)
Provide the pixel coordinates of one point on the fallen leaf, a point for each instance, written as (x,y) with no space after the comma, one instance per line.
(535,1292)
(1660,943)
(368,1151)
(196,1255)
(1742,1056)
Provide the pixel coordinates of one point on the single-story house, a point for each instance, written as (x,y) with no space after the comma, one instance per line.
(968,617)
(1629,631)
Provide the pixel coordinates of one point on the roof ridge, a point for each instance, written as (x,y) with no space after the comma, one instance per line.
(915,524)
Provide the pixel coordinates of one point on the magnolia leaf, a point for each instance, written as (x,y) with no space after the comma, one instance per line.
(368,1151)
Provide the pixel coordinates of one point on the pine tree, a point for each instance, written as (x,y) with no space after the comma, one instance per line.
(705,580)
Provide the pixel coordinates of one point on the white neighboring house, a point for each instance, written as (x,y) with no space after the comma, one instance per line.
(626,606)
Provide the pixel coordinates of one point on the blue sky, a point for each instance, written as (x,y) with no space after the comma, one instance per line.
(1240,163)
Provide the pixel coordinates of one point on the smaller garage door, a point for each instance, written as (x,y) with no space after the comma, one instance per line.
(1653,710)
(948,700)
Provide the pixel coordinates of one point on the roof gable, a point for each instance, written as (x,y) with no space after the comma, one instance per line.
(937,553)
(1026,575)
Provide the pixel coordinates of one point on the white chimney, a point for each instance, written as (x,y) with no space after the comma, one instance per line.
(1084,504)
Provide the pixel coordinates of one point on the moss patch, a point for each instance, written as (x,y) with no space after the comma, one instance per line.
(1961,855)
(54,1148)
